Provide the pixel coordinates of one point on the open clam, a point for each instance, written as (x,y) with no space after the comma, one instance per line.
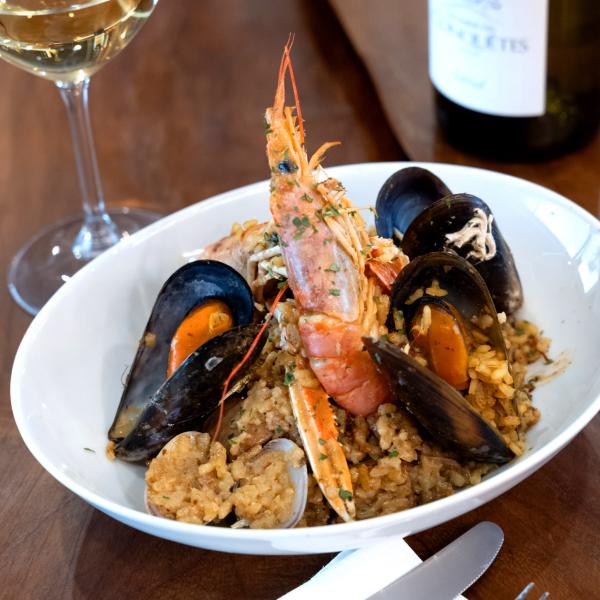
(298,474)
(180,472)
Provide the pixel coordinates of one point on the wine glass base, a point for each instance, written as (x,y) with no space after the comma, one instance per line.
(47,261)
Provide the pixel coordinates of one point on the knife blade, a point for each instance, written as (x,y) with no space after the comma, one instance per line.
(450,571)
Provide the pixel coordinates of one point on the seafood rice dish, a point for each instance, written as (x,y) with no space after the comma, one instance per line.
(312,369)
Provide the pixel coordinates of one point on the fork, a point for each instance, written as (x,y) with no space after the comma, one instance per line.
(525,592)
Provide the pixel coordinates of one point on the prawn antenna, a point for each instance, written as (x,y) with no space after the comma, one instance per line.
(286,66)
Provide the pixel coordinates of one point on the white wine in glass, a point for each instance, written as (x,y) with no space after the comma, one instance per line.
(66,42)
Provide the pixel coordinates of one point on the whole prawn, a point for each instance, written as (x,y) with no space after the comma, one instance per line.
(324,244)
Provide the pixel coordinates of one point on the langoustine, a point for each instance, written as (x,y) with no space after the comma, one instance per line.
(325,247)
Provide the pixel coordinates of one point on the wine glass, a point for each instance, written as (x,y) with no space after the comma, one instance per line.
(67,41)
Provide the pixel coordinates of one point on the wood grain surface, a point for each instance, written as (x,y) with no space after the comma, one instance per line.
(178,117)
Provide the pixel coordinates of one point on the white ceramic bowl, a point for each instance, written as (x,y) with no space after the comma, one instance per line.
(66,379)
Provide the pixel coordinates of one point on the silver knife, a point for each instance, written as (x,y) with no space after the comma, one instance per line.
(450,571)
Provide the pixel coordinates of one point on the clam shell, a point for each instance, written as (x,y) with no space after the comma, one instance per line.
(298,476)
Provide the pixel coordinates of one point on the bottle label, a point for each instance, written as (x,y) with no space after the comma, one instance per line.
(490,55)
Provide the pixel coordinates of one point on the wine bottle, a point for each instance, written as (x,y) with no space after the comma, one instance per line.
(516,79)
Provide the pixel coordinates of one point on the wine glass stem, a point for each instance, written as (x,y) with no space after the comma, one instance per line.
(98,231)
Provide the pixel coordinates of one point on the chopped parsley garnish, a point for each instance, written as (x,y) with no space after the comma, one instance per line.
(333,268)
(331,211)
(323,457)
(321,441)
(393,453)
(345,494)
(167,497)
(334,292)
(301,224)
(519,331)
(279,430)
(289,375)
(90,450)
(306,198)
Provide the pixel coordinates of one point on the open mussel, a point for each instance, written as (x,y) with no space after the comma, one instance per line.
(443,307)
(464,224)
(417,209)
(442,279)
(438,407)
(403,196)
(185,400)
(200,301)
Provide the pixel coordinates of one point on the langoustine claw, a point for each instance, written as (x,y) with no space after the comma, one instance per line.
(317,428)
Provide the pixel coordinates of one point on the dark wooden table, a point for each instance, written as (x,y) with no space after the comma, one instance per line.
(178,117)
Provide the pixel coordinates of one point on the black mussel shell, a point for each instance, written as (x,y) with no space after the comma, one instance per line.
(438,407)
(427,233)
(403,196)
(184,400)
(465,288)
(189,287)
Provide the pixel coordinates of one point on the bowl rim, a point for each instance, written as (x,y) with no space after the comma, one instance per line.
(515,473)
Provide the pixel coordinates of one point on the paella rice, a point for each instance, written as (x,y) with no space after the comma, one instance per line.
(392,464)
(388,360)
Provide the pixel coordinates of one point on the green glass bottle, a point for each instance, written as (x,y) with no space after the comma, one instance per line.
(516,79)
